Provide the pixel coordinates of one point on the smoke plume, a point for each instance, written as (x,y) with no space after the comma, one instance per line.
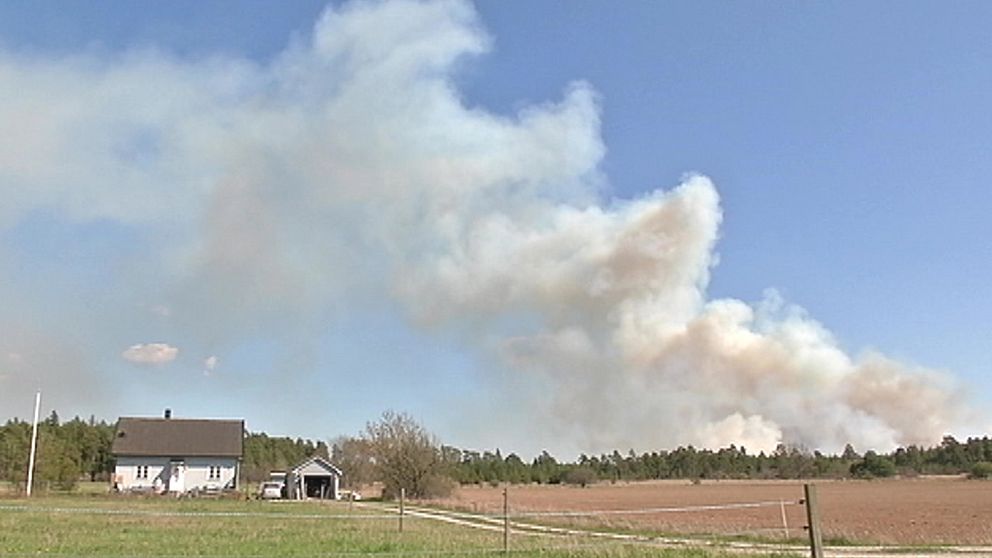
(349,168)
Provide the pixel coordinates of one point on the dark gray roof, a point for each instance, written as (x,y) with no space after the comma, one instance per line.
(179,437)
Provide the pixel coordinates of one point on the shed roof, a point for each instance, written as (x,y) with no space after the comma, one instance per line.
(308,466)
(179,437)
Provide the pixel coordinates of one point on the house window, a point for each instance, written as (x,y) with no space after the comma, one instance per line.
(142,471)
(214,473)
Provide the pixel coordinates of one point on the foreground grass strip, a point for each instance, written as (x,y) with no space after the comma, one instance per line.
(163,528)
(166,513)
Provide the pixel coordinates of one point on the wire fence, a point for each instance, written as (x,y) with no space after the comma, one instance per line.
(651,511)
(168,513)
(342,553)
(317,555)
(561,532)
(392,511)
(520,523)
(519,520)
(538,550)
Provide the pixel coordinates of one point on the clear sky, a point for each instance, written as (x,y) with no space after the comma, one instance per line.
(150,150)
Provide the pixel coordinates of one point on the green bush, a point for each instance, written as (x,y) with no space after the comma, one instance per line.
(581,476)
(873,466)
(981,470)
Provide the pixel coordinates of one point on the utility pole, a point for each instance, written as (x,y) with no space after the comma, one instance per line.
(34,442)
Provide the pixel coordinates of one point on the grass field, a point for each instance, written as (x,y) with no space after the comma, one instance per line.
(106,526)
(921,513)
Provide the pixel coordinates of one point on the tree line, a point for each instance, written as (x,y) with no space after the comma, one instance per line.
(401,454)
(265,454)
(66,452)
(80,449)
(973,457)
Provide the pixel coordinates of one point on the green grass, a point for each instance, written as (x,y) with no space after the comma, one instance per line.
(157,527)
(82,488)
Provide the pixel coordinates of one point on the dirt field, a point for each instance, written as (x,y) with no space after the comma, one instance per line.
(910,511)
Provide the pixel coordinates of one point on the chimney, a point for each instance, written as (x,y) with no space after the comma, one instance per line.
(168,414)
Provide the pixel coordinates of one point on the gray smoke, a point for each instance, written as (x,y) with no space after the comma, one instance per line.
(349,169)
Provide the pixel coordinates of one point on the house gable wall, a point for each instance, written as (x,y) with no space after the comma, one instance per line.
(126,472)
(197,474)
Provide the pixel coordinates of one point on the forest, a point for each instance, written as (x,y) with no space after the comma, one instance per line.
(81,450)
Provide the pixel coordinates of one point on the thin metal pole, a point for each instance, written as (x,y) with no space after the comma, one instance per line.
(402,502)
(813,519)
(785,519)
(34,442)
(506,521)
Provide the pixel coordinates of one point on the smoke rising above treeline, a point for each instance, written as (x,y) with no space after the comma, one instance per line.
(75,449)
(350,169)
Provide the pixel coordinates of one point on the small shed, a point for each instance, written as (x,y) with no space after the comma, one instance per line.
(314,478)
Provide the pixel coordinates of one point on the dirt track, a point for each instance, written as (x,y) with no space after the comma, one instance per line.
(914,511)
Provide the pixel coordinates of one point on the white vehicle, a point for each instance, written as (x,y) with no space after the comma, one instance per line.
(270,490)
(349,495)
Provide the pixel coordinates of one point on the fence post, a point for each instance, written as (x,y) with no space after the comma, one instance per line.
(813,521)
(402,502)
(506,521)
(785,519)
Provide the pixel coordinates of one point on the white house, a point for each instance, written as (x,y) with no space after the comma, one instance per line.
(177,455)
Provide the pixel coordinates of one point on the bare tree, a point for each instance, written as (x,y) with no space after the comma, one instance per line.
(354,457)
(405,456)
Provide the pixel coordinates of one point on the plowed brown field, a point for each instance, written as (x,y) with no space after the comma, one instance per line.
(905,511)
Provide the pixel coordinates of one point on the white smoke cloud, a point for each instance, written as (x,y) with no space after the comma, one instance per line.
(150,353)
(350,167)
(752,433)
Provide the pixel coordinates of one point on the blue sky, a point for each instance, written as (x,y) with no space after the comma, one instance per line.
(847,144)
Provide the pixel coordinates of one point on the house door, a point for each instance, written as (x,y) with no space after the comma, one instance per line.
(177,476)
